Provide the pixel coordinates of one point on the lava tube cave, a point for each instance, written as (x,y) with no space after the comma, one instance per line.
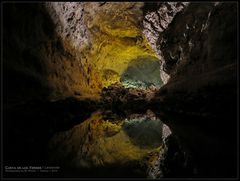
(119,90)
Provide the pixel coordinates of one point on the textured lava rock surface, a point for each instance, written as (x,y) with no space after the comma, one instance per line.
(57,50)
(199,50)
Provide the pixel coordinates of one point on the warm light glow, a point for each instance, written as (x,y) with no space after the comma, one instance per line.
(116,41)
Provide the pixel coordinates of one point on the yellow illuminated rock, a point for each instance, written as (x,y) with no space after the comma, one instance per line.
(95,143)
(102,41)
(116,40)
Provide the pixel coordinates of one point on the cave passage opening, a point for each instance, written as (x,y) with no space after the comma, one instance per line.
(142,73)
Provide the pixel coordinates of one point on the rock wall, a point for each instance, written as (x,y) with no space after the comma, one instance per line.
(190,34)
(37,63)
(199,50)
(60,49)
(157,17)
(116,40)
(200,39)
(55,50)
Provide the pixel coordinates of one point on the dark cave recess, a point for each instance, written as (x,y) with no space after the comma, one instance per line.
(51,82)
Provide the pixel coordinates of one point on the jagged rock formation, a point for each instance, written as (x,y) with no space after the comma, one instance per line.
(199,50)
(106,37)
(77,48)
(93,50)
(157,18)
(199,39)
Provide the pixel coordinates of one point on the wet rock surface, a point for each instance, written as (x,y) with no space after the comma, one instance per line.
(198,52)
(57,54)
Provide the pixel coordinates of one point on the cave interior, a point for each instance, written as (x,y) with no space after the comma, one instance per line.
(120,89)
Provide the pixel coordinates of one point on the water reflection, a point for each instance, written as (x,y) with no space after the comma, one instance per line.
(99,142)
(144,131)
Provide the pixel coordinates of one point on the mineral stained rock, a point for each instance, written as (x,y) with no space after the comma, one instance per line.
(69,48)
(93,50)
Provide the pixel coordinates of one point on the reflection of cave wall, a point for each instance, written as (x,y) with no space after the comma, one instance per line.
(199,52)
(105,148)
(65,49)
(144,132)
